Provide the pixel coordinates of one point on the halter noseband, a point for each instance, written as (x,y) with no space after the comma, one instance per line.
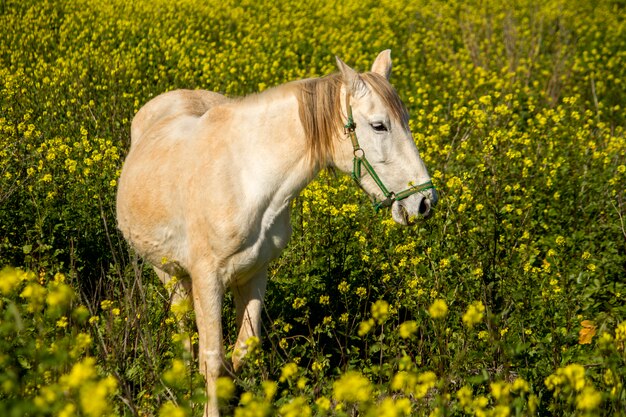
(361,161)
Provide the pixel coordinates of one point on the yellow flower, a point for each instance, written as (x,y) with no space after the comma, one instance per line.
(620,337)
(352,387)
(575,375)
(60,295)
(444,263)
(343,287)
(499,390)
(486,100)
(176,374)
(169,409)
(301,384)
(425,382)
(438,309)
(68,411)
(589,399)
(62,322)
(269,389)
(81,372)
(225,388)
(35,294)
(620,332)
(288,371)
(464,394)
(365,327)
(474,314)
(299,303)
(404,381)
(407,329)
(81,343)
(9,278)
(501,410)
(521,385)
(392,408)
(181,308)
(380,311)
(95,398)
(323,403)
(298,407)
(572,376)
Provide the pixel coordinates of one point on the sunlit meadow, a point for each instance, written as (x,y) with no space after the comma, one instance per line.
(510,301)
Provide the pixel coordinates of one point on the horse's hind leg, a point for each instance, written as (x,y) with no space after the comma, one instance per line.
(208,294)
(249,303)
(180,290)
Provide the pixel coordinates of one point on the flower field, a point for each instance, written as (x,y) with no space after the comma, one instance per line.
(509,301)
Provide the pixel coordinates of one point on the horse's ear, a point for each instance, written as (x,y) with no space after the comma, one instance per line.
(382,64)
(351,79)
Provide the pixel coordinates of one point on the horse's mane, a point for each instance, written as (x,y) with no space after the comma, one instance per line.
(322,117)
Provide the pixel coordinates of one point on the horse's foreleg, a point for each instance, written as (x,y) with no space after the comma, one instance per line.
(208,295)
(249,303)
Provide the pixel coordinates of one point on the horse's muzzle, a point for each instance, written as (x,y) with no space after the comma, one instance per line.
(421,204)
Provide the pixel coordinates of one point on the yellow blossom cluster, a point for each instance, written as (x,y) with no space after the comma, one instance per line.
(70,381)
(571,380)
(474,314)
(352,387)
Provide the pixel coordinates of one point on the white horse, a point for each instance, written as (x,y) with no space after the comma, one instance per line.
(205,190)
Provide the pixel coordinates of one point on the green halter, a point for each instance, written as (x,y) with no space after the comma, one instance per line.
(361,162)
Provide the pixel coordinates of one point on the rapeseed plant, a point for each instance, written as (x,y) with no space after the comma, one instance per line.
(518,113)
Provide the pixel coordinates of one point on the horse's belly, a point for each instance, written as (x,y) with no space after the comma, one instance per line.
(147,219)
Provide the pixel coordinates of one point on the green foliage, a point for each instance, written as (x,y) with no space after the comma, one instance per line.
(510,300)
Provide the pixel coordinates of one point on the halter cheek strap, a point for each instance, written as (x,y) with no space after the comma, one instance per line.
(360,161)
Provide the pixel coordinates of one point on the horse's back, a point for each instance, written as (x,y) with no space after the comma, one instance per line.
(172,104)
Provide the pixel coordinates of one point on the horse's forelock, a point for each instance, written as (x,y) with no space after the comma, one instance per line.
(389,95)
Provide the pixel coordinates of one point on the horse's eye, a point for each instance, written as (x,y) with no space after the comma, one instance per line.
(379,127)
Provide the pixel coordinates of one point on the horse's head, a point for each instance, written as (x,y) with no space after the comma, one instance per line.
(381,153)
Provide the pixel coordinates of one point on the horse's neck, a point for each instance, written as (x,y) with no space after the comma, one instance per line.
(274,155)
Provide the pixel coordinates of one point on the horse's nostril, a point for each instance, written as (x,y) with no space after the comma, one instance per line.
(424,208)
